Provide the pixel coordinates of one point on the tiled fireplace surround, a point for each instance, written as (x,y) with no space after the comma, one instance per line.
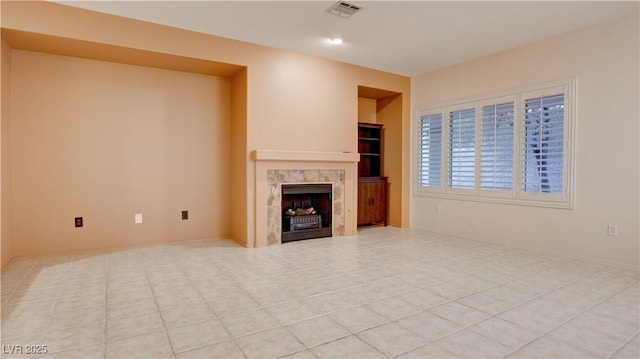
(275,168)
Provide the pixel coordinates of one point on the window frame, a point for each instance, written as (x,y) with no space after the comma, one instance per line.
(517,195)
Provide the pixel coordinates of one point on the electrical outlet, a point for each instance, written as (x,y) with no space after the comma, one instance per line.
(185,215)
(78,221)
(138,218)
(612,230)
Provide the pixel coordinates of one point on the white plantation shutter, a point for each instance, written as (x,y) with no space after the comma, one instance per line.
(497,144)
(462,148)
(515,147)
(430,158)
(543,150)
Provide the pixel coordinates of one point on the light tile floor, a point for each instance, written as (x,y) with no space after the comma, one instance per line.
(384,293)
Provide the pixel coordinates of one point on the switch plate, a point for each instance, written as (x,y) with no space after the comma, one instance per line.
(78,222)
(138,218)
(438,208)
(612,230)
(185,215)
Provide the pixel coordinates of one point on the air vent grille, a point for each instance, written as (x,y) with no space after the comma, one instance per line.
(344,9)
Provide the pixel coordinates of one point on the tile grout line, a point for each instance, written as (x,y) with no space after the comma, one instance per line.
(164,326)
(237,281)
(55,304)
(571,318)
(218,319)
(387,321)
(13,292)
(107,267)
(619,348)
(281,325)
(44,331)
(510,308)
(144,268)
(261,306)
(449,300)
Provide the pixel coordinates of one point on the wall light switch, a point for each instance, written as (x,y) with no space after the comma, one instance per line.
(138,218)
(78,222)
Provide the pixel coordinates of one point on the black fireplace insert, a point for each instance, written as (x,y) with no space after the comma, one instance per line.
(306,211)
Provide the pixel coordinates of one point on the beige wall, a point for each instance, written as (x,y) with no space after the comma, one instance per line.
(604,58)
(387,114)
(367,110)
(105,141)
(239,157)
(6,180)
(293,101)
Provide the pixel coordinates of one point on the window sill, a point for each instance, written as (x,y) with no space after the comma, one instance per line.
(499,200)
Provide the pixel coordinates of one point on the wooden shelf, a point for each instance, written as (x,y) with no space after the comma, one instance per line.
(370,147)
(372,185)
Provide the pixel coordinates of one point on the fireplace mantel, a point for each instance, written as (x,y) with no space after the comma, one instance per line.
(306,156)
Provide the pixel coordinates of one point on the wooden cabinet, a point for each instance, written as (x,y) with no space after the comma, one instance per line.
(372,185)
(372,200)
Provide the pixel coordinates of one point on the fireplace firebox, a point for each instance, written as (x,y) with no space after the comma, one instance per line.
(306,211)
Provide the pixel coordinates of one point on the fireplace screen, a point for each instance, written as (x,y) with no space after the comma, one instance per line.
(308,221)
(306,211)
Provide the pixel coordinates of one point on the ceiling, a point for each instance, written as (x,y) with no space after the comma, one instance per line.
(403,37)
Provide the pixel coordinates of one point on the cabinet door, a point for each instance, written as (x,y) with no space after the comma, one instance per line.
(364,202)
(378,209)
(372,201)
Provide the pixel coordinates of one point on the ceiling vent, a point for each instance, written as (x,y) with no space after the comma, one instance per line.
(344,9)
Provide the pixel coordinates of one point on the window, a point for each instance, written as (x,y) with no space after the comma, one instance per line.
(497,147)
(513,148)
(430,166)
(543,144)
(462,161)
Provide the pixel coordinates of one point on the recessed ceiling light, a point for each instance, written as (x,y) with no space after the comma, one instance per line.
(335,41)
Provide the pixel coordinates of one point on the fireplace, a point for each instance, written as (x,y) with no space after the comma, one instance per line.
(274,169)
(306,211)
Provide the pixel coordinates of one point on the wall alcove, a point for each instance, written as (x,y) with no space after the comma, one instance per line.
(130,130)
(384,107)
